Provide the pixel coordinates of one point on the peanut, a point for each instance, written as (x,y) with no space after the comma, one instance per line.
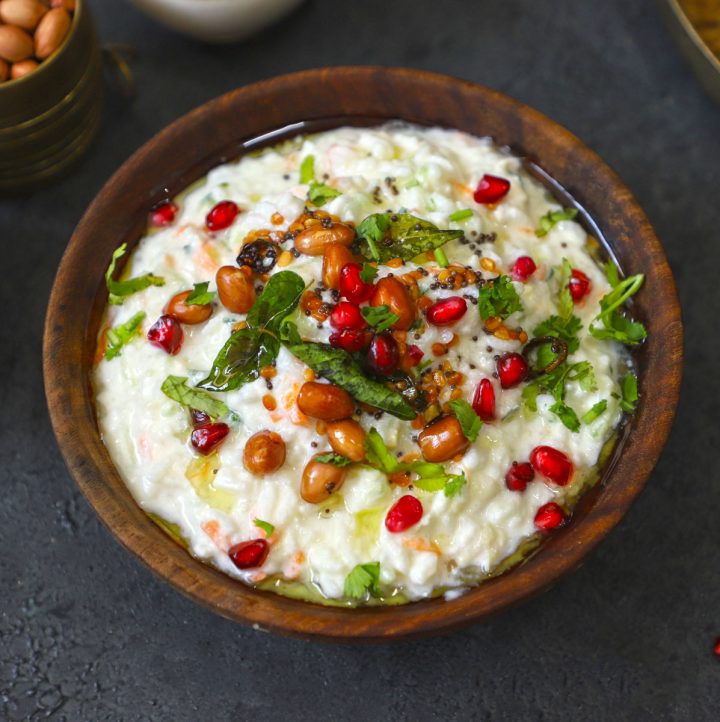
(51,31)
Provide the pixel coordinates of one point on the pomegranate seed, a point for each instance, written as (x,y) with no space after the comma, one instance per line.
(446,311)
(352,286)
(383,354)
(523,268)
(483,402)
(491,189)
(208,437)
(249,554)
(163,214)
(166,333)
(549,516)
(579,285)
(199,418)
(221,215)
(349,339)
(347,315)
(415,353)
(552,464)
(404,513)
(519,476)
(512,369)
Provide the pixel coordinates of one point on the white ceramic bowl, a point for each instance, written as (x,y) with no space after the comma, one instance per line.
(216,21)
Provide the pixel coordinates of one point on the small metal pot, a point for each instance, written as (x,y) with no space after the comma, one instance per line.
(49,117)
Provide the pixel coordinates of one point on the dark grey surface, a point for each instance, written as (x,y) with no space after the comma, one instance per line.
(86,633)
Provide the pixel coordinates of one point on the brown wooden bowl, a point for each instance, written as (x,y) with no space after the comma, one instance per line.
(223,129)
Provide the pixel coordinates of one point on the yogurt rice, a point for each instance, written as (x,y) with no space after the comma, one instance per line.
(364,366)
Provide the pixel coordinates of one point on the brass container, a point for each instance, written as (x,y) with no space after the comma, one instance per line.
(49,117)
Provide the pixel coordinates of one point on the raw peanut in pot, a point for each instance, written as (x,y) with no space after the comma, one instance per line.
(312,241)
(23,14)
(320,480)
(15,44)
(51,31)
(324,401)
(18,70)
(4,70)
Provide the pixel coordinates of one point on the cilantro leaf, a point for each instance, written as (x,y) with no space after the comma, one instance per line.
(440,258)
(378,455)
(566,305)
(333,458)
(498,298)
(553,217)
(565,329)
(368,273)
(454,485)
(630,394)
(363,579)
(566,414)
(118,290)
(380,317)
(319,193)
(266,526)
(121,334)
(615,326)
(307,169)
(177,389)
(461,215)
(612,273)
(200,296)
(597,410)
(470,422)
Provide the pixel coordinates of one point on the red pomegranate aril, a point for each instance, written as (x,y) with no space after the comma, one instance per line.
(549,516)
(383,354)
(404,513)
(446,311)
(415,353)
(208,437)
(349,339)
(552,464)
(483,402)
(199,418)
(166,333)
(519,475)
(491,189)
(352,286)
(347,315)
(249,554)
(523,268)
(579,285)
(512,369)
(163,214)
(221,215)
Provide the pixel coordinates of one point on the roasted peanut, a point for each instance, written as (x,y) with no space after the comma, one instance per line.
(51,31)
(324,401)
(320,480)
(24,14)
(4,70)
(335,257)
(392,293)
(312,241)
(442,440)
(235,289)
(187,313)
(15,44)
(264,453)
(24,67)
(347,438)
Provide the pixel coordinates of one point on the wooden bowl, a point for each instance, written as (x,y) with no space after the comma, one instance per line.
(226,127)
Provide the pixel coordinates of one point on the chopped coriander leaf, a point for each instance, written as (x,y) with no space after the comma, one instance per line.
(332,458)
(441,258)
(498,298)
(200,296)
(379,317)
(266,526)
(462,215)
(612,273)
(616,326)
(307,169)
(118,290)
(565,329)
(630,394)
(177,389)
(551,218)
(566,414)
(368,273)
(363,579)
(470,422)
(454,485)
(120,335)
(566,305)
(319,193)
(596,411)
(378,454)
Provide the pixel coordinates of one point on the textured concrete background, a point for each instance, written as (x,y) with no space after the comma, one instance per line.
(86,633)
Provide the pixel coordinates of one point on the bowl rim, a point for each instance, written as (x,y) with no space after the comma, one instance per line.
(67,337)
